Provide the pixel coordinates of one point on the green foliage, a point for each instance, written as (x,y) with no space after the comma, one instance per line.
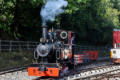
(7,15)
(36,3)
(92,20)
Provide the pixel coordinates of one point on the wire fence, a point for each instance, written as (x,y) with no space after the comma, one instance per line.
(10,46)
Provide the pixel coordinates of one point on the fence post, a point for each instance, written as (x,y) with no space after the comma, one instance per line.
(10,48)
(0,46)
(28,45)
(19,46)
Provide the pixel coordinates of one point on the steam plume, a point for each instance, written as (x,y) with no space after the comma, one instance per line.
(51,9)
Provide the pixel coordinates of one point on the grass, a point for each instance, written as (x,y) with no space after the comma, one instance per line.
(15,59)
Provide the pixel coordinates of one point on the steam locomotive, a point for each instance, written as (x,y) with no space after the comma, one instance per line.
(56,54)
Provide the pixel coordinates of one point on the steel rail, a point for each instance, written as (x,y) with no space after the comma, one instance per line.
(92,73)
(108,75)
(14,69)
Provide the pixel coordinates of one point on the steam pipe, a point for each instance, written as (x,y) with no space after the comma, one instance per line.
(44,32)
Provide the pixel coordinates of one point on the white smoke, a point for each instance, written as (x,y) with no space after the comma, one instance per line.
(51,9)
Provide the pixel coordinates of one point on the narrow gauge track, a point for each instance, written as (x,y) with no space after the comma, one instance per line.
(102,62)
(17,73)
(107,76)
(113,75)
(5,71)
(14,69)
(73,72)
(91,73)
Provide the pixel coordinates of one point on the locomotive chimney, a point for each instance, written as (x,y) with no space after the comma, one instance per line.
(44,32)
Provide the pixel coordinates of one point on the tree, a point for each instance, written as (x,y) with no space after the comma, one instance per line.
(6,16)
(92,16)
(15,15)
(92,20)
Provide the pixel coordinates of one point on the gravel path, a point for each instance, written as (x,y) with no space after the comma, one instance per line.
(19,75)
